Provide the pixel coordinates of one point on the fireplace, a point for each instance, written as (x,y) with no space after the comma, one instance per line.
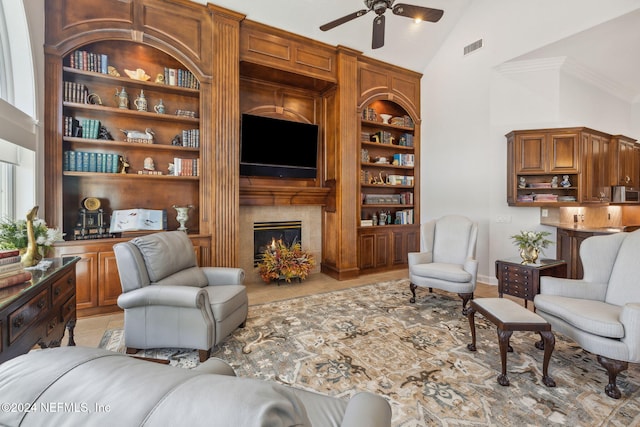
(265,233)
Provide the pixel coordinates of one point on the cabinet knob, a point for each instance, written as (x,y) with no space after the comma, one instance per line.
(18,321)
(41,303)
(70,280)
(56,291)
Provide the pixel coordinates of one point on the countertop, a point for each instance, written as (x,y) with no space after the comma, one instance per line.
(595,229)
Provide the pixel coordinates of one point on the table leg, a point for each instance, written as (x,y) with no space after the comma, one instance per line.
(549,342)
(472,325)
(70,327)
(503,340)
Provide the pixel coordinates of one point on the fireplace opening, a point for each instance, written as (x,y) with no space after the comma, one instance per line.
(264,233)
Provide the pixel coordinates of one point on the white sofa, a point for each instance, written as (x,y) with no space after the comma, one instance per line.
(601,312)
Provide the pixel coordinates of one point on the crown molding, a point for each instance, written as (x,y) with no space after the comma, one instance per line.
(571,67)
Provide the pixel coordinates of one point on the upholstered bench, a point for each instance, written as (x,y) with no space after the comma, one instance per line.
(508,317)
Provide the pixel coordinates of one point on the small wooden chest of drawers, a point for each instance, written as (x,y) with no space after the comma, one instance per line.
(523,280)
(38,311)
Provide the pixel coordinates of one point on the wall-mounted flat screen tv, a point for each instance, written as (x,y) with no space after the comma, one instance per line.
(278,148)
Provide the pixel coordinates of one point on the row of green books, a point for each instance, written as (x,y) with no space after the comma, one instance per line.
(82,161)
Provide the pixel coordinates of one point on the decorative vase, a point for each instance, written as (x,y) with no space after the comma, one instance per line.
(183,216)
(529,255)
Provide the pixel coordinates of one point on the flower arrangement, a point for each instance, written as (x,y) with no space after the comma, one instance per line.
(532,239)
(280,261)
(13,234)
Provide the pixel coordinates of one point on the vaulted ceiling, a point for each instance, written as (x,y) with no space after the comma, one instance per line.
(407,44)
(609,51)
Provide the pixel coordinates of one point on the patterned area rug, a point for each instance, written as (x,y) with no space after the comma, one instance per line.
(371,338)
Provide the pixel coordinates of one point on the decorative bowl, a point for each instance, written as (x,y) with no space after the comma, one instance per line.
(138,74)
(386,118)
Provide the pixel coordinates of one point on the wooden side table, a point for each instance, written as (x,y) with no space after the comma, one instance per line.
(523,280)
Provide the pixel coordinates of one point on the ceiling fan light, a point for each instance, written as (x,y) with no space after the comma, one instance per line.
(417,20)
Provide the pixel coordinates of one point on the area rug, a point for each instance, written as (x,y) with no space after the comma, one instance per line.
(415,355)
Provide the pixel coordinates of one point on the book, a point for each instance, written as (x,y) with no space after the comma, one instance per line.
(10,268)
(15,279)
(10,260)
(138,219)
(6,253)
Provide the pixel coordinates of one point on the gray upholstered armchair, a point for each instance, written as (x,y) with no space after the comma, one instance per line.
(601,312)
(448,258)
(169,301)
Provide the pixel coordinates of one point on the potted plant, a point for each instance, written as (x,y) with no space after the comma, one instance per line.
(13,235)
(282,262)
(531,243)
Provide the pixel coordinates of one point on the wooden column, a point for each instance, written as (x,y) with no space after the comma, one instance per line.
(225,148)
(340,252)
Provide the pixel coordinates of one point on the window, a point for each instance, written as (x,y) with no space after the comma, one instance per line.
(6,196)
(18,130)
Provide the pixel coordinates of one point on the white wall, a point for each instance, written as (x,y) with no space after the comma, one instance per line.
(470,103)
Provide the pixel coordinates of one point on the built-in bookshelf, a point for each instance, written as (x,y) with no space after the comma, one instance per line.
(387,212)
(386,166)
(126,122)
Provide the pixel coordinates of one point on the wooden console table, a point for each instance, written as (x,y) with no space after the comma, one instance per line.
(38,311)
(523,280)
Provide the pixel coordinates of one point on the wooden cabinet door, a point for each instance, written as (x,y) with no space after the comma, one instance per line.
(595,175)
(530,153)
(375,250)
(404,241)
(635,166)
(625,161)
(367,249)
(110,287)
(563,152)
(629,164)
(86,280)
(382,250)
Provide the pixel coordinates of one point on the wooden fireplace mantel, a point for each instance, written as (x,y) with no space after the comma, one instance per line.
(283,195)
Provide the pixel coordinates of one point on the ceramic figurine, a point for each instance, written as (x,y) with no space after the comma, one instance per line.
(159,107)
(554,182)
(565,181)
(122,99)
(124,164)
(141,102)
(148,164)
(383,218)
(522,182)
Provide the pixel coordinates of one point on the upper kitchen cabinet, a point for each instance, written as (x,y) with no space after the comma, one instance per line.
(625,161)
(565,166)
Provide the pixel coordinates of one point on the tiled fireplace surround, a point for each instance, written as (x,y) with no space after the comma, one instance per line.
(311,217)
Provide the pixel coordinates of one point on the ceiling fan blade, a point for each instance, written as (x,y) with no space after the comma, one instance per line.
(340,21)
(418,12)
(378,32)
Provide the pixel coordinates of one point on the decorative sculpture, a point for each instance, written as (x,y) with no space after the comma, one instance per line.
(31,256)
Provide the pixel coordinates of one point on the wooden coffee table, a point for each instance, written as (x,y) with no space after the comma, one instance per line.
(509,316)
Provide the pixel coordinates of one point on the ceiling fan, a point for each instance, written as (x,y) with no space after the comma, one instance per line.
(380,7)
